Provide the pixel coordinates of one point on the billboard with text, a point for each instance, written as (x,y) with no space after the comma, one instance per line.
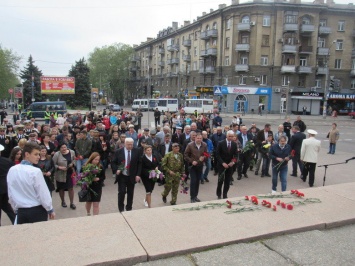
(57,85)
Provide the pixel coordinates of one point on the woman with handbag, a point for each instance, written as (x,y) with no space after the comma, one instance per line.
(64,163)
(95,188)
(46,165)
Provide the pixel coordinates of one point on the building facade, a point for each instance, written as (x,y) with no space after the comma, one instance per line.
(284,55)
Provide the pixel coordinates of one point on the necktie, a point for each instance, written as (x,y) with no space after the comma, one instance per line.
(245,139)
(128,161)
(229,146)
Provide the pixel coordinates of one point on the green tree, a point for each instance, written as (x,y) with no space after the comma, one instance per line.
(109,70)
(31,76)
(9,65)
(80,71)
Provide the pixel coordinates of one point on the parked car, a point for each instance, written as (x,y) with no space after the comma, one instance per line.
(3,105)
(352,115)
(114,107)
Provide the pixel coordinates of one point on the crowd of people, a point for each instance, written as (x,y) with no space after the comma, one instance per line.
(180,151)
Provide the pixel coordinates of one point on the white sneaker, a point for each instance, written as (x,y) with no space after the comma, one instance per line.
(145,203)
(273,192)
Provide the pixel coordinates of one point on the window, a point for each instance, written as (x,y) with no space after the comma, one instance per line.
(337,64)
(352,84)
(318,83)
(214,26)
(341,25)
(227,42)
(339,45)
(214,42)
(196,36)
(195,65)
(245,20)
(303,61)
(226,61)
(263,80)
(242,80)
(266,20)
(306,20)
(285,80)
(302,81)
(264,60)
(321,42)
(195,51)
(291,17)
(243,60)
(229,24)
(323,22)
(265,40)
(353,64)
(244,38)
(207,27)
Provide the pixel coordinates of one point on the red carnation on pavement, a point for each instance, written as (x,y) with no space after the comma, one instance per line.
(290,207)
(246,197)
(274,208)
(278,202)
(283,205)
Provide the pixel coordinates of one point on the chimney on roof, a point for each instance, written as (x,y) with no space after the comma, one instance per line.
(175,25)
(204,13)
(211,10)
(235,2)
(186,22)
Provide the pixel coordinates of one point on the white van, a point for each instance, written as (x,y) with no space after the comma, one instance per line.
(141,104)
(164,104)
(203,106)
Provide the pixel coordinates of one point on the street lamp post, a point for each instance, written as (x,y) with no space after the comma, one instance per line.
(287,92)
(326,85)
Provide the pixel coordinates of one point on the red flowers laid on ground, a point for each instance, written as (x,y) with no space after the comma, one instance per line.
(229,204)
(283,205)
(297,193)
(274,208)
(254,200)
(246,197)
(266,203)
(278,202)
(290,207)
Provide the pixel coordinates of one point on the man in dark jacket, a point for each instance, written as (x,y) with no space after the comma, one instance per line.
(245,156)
(261,138)
(302,126)
(296,144)
(216,138)
(157,115)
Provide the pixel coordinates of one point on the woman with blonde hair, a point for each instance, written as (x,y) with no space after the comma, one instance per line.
(96,186)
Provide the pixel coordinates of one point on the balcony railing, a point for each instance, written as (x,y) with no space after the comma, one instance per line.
(186,58)
(323,51)
(242,47)
(175,60)
(205,35)
(135,58)
(352,73)
(133,69)
(291,49)
(290,27)
(241,68)
(288,69)
(160,76)
(161,51)
(305,49)
(305,70)
(186,43)
(353,53)
(323,30)
(322,70)
(243,27)
(307,28)
(208,52)
(173,48)
(161,63)
(172,74)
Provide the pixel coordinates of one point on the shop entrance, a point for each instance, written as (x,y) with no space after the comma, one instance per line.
(240,104)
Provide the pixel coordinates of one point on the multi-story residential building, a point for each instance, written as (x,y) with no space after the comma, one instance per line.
(281,54)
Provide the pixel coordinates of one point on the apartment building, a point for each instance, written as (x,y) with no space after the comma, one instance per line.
(284,55)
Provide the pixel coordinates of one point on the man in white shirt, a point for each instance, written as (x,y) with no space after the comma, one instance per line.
(28,193)
(309,156)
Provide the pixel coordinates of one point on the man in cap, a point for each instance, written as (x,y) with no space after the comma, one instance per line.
(3,115)
(5,142)
(145,136)
(176,135)
(309,155)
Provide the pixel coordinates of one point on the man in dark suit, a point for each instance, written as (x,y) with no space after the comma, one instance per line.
(296,144)
(176,135)
(165,147)
(226,151)
(244,157)
(5,142)
(261,138)
(126,158)
(16,117)
(5,165)
(185,135)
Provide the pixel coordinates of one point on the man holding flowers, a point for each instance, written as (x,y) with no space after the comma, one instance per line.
(280,154)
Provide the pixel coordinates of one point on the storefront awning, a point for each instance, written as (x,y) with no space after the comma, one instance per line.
(306,98)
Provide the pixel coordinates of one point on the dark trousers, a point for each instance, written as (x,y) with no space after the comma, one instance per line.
(195,174)
(157,121)
(296,160)
(309,168)
(6,207)
(243,164)
(227,179)
(125,185)
(32,215)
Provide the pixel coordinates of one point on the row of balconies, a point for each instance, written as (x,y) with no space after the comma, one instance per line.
(207,70)
(206,35)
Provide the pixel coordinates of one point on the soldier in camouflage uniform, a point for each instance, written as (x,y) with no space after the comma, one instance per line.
(173,167)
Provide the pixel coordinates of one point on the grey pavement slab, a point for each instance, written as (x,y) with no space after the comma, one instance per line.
(174,261)
(241,254)
(80,241)
(335,247)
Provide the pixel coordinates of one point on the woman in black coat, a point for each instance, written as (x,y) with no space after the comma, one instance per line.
(148,162)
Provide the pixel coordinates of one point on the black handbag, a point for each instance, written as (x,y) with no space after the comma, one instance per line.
(328,135)
(84,195)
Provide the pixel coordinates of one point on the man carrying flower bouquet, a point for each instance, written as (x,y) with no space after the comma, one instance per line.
(125,165)
(246,155)
(226,158)
(280,154)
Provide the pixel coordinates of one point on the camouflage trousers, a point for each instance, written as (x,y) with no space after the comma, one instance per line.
(171,183)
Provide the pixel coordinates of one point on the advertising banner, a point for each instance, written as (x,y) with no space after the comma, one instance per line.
(57,85)
(18,93)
